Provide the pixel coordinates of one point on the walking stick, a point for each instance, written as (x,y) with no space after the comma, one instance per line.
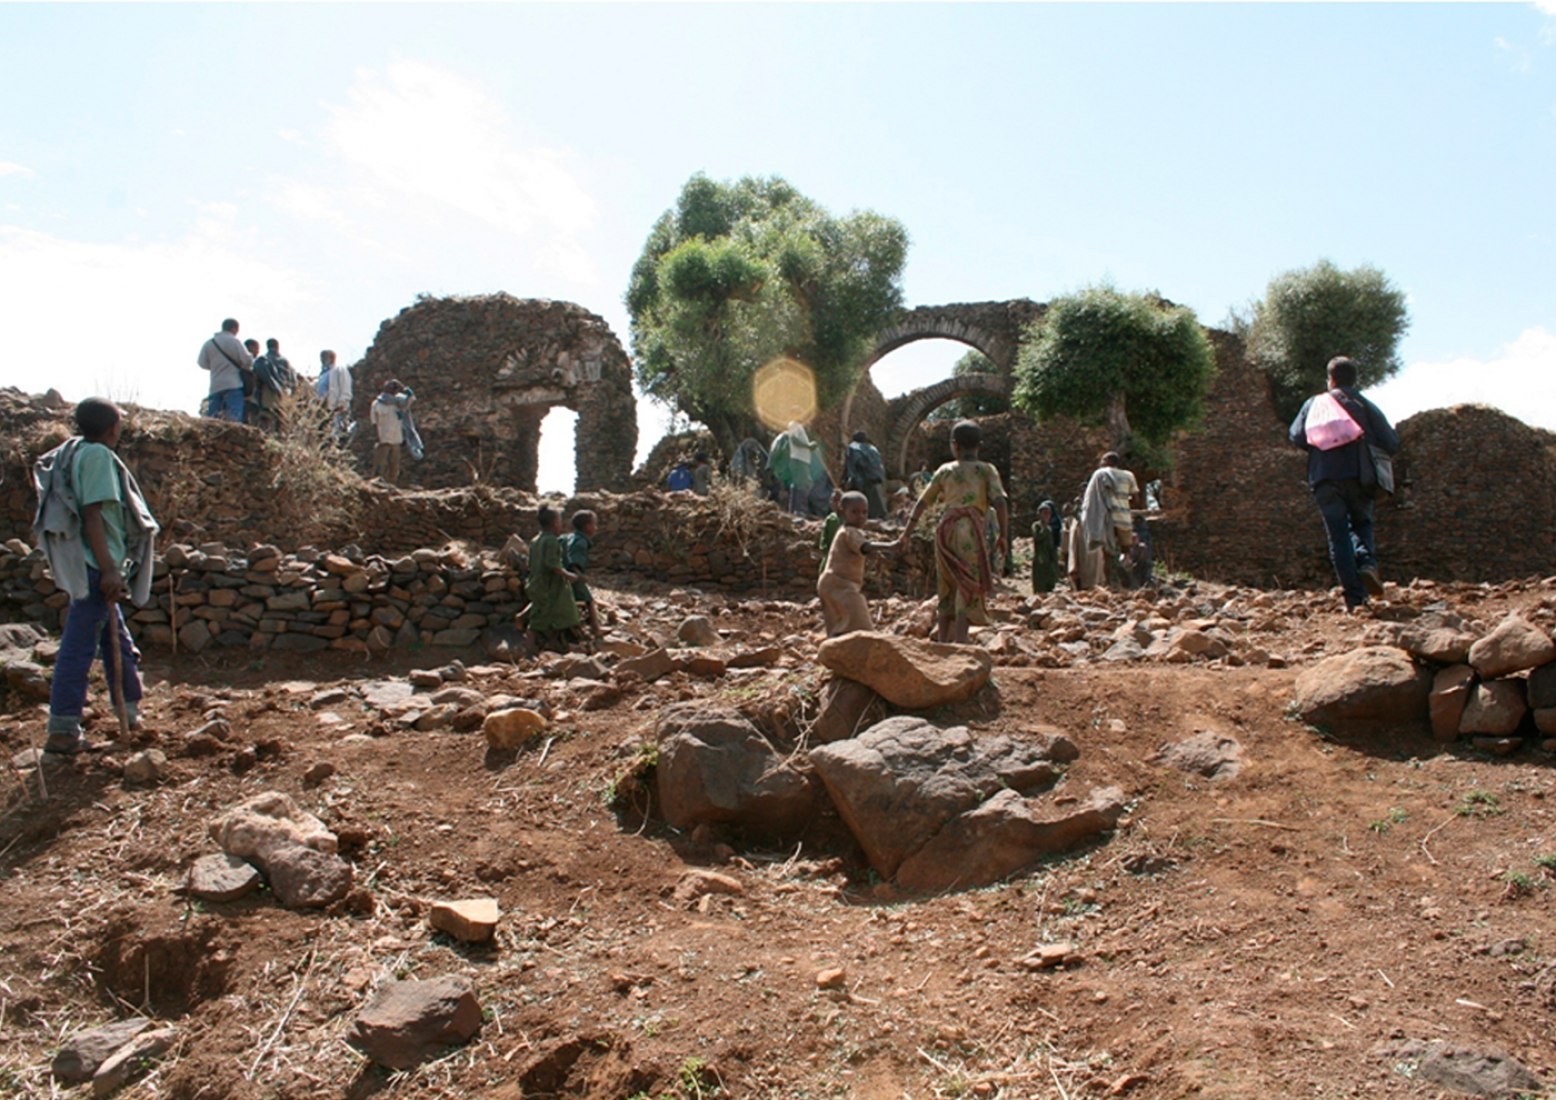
(115,675)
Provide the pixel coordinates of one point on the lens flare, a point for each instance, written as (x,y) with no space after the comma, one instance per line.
(784,390)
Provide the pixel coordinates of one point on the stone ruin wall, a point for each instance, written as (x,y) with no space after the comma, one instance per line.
(486,370)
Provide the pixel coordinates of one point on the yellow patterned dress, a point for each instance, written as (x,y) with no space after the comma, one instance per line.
(966,490)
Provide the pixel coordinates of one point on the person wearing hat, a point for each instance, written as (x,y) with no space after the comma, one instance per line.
(968,489)
(388,416)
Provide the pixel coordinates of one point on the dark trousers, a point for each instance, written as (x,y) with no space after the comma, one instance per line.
(1347,512)
(88,626)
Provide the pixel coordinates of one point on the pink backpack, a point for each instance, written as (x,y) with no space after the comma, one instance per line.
(1329,425)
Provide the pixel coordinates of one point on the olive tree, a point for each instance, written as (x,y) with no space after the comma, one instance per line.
(1133,362)
(738,274)
(1310,315)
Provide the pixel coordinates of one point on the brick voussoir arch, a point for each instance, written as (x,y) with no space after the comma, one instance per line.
(910,409)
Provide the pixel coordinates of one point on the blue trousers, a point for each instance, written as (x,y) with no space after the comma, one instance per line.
(88,626)
(226,405)
(1347,512)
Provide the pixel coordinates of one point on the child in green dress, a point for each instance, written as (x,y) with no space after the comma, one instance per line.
(553,613)
(575,557)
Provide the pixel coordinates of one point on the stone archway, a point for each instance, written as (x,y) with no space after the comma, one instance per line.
(487,369)
(909,410)
(993,328)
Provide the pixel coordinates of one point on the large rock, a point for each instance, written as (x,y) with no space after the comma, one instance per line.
(131,1060)
(845,705)
(1211,755)
(1495,708)
(1439,637)
(898,783)
(696,630)
(220,877)
(1514,645)
(909,672)
(1542,688)
(512,727)
(1451,689)
(715,768)
(79,1056)
(268,822)
(650,666)
(1374,686)
(305,878)
(408,1022)
(1005,834)
(1463,1069)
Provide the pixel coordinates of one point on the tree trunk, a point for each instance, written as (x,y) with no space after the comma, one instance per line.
(1118,424)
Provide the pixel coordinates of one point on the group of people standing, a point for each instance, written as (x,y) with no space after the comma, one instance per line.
(252,387)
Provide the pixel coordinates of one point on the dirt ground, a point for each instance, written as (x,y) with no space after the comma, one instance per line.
(1240,937)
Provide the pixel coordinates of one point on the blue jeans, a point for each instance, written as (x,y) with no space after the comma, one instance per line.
(1347,512)
(226,405)
(86,636)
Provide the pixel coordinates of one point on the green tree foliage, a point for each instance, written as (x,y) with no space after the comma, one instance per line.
(1134,362)
(738,274)
(1311,315)
(974,362)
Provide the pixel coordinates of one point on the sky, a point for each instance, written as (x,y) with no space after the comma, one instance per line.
(311,168)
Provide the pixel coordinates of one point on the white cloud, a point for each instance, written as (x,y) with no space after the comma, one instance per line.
(1516,58)
(427,143)
(1520,380)
(126,318)
(11,168)
(1547,6)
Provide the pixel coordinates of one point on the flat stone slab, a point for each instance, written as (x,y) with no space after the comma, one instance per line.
(220,877)
(473,920)
(80,1055)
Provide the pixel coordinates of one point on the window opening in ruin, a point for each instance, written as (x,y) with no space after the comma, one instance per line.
(916,365)
(557,469)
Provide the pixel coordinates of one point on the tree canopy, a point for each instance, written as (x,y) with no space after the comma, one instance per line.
(1310,315)
(738,274)
(975,404)
(1134,362)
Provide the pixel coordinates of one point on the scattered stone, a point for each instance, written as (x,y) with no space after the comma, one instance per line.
(1049,955)
(131,1060)
(473,920)
(715,768)
(1211,755)
(28,759)
(387,694)
(909,672)
(145,768)
(1514,645)
(1125,649)
(1495,707)
(511,729)
(1479,1073)
(1432,639)
(650,666)
(425,678)
(27,679)
(900,782)
(83,1052)
(305,878)
(831,977)
(704,666)
(696,630)
(1369,687)
(766,657)
(329,697)
(1148,863)
(318,773)
(1451,689)
(699,881)
(408,1022)
(220,877)
(267,822)
(1192,643)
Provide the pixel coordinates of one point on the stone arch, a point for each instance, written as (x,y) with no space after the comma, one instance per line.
(487,369)
(907,411)
(993,328)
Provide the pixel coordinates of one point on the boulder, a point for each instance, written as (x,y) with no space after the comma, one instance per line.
(268,822)
(511,728)
(1451,689)
(305,878)
(473,920)
(220,877)
(650,666)
(1210,755)
(696,630)
(1514,645)
(909,672)
(1005,834)
(1495,708)
(1542,688)
(1370,687)
(899,782)
(408,1022)
(715,768)
(79,1056)
(1437,638)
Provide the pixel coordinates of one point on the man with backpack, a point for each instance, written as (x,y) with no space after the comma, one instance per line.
(273,378)
(229,364)
(1340,429)
(863,472)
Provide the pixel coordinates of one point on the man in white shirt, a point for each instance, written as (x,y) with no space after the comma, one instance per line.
(388,414)
(227,360)
(334,388)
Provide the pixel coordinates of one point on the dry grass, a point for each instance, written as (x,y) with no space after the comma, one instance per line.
(314,483)
(741,511)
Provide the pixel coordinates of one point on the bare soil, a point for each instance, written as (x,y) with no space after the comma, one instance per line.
(1251,936)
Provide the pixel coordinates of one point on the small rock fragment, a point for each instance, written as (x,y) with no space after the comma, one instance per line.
(473,920)
(220,877)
